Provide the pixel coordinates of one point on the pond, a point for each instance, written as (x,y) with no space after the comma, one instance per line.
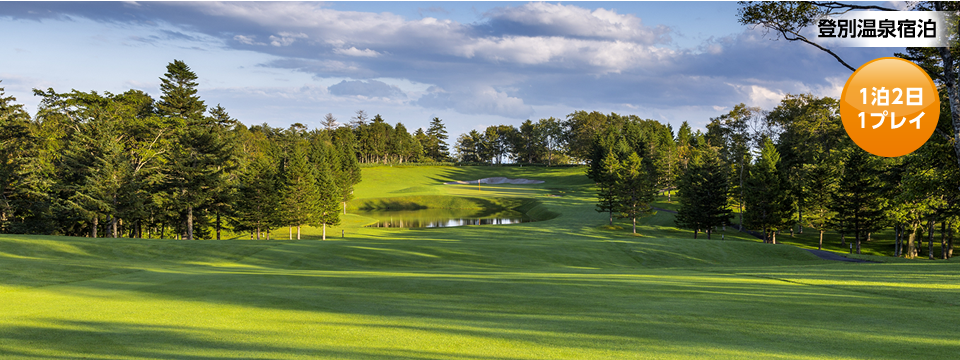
(429,218)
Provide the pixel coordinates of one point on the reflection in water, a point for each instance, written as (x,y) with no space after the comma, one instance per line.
(443,218)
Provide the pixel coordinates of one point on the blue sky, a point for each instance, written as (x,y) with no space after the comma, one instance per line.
(473,64)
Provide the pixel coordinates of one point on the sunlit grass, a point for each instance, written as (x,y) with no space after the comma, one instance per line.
(561,288)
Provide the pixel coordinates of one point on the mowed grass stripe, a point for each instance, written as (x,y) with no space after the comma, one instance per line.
(565,288)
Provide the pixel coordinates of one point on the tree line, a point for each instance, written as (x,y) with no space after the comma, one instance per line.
(128,165)
(783,170)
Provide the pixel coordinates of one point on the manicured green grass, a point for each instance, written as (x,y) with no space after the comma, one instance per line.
(567,288)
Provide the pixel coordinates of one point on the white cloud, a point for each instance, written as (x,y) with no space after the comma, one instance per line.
(286,39)
(249,40)
(480,100)
(570,20)
(759,95)
(601,56)
(601,40)
(353,51)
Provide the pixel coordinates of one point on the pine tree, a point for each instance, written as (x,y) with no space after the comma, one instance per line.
(328,213)
(703,190)
(257,199)
(820,186)
(180,101)
(194,159)
(223,189)
(299,194)
(634,190)
(437,133)
(344,166)
(857,205)
(607,180)
(330,122)
(768,204)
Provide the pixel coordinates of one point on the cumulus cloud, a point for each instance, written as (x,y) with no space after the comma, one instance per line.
(545,19)
(285,38)
(370,89)
(249,40)
(353,51)
(512,59)
(482,100)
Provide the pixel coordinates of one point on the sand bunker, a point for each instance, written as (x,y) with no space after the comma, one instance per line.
(497,180)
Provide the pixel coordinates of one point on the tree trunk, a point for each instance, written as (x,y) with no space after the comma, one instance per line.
(897,244)
(950,243)
(695,233)
(931,224)
(709,231)
(943,240)
(911,243)
(163,230)
(113,227)
(298,232)
(218,225)
(611,222)
(324,236)
(93,229)
(189,222)
(843,239)
(800,221)
(773,239)
(258,232)
(635,227)
(290,232)
(820,244)
(858,242)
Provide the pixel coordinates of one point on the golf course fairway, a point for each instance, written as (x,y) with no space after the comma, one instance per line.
(564,287)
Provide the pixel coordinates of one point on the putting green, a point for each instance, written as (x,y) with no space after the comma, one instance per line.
(561,288)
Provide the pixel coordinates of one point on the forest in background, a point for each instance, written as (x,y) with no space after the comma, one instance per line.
(128,165)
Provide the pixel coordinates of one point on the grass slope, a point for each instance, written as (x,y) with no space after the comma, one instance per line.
(561,288)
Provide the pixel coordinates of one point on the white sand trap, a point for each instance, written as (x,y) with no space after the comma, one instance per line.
(497,180)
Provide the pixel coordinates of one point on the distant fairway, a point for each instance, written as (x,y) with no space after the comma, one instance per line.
(564,288)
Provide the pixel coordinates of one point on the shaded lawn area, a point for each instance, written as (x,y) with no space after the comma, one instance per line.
(561,288)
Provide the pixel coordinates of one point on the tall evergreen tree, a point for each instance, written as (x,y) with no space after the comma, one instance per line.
(768,205)
(300,198)
(330,194)
(607,180)
(820,185)
(858,206)
(437,134)
(703,190)
(346,167)
(635,189)
(258,197)
(180,101)
(330,122)
(223,188)
(194,160)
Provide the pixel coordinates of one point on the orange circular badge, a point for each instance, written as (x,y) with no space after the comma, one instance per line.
(889,107)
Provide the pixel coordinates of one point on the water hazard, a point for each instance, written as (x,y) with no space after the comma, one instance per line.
(430,218)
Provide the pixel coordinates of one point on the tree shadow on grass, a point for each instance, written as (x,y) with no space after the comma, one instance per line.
(112,340)
(670,313)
